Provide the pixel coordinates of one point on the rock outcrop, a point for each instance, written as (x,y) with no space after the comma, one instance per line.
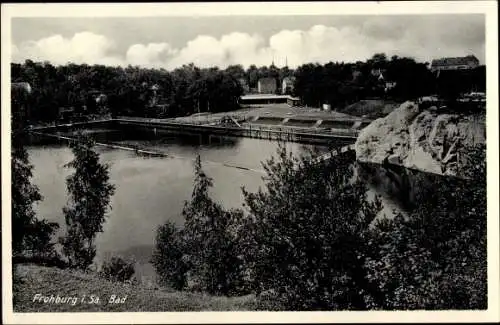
(421,139)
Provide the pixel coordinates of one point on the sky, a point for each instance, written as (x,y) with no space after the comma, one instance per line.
(169,42)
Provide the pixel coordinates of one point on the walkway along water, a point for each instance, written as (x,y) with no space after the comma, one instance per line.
(272,132)
(259,132)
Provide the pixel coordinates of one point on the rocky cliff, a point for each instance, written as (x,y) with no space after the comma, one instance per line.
(421,139)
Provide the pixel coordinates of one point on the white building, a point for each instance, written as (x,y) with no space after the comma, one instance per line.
(287,85)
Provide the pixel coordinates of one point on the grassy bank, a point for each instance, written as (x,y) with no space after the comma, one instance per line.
(48,281)
(370,108)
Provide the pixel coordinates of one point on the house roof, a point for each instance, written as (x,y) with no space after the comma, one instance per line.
(377,72)
(454,61)
(267,96)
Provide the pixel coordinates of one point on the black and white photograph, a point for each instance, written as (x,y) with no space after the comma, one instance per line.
(235,160)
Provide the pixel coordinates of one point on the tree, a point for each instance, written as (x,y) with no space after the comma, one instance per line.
(253,76)
(378,61)
(28,233)
(169,257)
(209,239)
(436,257)
(24,196)
(90,193)
(308,232)
(39,242)
(236,71)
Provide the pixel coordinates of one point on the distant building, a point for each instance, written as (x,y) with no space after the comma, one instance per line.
(244,84)
(377,73)
(157,110)
(287,85)
(269,99)
(382,80)
(66,113)
(266,86)
(293,101)
(155,98)
(389,85)
(101,98)
(20,93)
(458,63)
(22,86)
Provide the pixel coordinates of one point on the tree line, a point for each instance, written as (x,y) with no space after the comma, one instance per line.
(134,91)
(403,78)
(189,89)
(128,91)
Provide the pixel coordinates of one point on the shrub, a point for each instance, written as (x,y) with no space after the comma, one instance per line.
(118,269)
(204,252)
(436,258)
(306,234)
(209,239)
(38,239)
(168,257)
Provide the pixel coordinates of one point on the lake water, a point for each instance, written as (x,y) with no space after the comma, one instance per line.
(151,190)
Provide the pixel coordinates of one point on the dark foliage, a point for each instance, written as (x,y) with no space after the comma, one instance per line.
(207,234)
(436,257)
(117,269)
(168,257)
(204,252)
(30,236)
(311,241)
(131,91)
(306,235)
(90,193)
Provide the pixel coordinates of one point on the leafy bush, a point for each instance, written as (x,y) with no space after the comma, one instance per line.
(38,239)
(203,254)
(213,266)
(168,257)
(307,234)
(118,269)
(436,258)
(24,196)
(310,241)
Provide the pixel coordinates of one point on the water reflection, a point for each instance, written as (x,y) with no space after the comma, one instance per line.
(406,188)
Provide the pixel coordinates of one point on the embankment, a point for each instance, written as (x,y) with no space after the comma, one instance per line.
(94,294)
